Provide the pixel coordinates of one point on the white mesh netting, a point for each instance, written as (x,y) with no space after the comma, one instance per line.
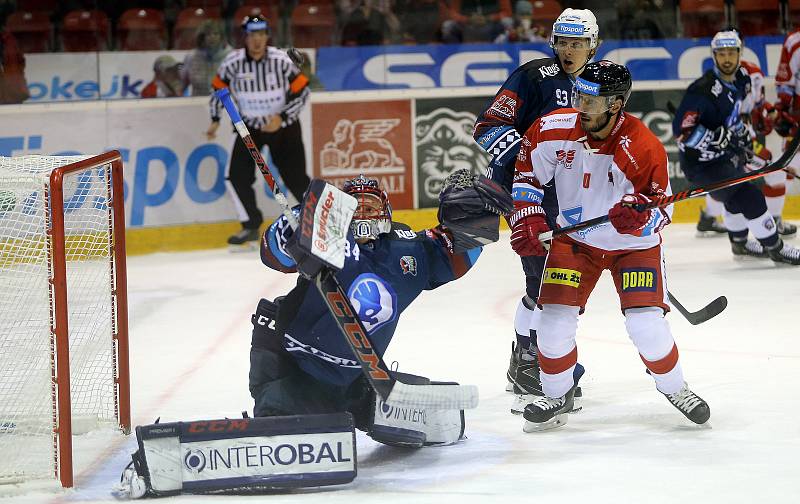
(27,394)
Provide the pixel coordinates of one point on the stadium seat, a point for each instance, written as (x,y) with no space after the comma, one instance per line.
(205,4)
(32,30)
(184,33)
(263,9)
(757,17)
(545,13)
(141,30)
(85,30)
(702,18)
(46,6)
(794,14)
(312,24)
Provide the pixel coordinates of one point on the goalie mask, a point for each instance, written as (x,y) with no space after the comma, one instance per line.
(373,215)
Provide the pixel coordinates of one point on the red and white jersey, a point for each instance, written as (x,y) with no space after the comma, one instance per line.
(756,97)
(786,79)
(591,175)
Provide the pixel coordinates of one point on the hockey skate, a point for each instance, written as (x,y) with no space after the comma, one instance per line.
(709,226)
(785,254)
(749,248)
(690,404)
(546,413)
(785,229)
(244,240)
(516,357)
(528,387)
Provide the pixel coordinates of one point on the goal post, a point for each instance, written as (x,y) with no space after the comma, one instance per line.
(63,310)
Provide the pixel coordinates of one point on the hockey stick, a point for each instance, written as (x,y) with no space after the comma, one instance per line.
(693,192)
(709,311)
(392,392)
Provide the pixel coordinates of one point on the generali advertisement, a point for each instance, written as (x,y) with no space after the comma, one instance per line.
(373,138)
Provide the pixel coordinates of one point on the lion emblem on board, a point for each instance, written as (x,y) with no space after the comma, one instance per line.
(359,145)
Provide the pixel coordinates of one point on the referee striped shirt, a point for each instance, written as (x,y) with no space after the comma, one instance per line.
(270,86)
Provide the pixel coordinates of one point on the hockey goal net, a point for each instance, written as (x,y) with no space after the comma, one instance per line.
(63,310)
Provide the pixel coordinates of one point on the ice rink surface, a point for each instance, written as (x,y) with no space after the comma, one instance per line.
(190,337)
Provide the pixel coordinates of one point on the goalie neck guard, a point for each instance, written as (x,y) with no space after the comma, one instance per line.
(373,215)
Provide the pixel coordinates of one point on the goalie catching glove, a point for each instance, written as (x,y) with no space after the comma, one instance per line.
(470,206)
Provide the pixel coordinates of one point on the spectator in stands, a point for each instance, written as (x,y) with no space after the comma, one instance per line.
(13,87)
(476,20)
(167,81)
(201,64)
(520,28)
(421,20)
(371,22)
(636,20)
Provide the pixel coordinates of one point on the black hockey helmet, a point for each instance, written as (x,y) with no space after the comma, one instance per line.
(254,23)
(599,85)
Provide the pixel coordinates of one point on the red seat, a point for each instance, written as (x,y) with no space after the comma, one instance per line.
(261,9)
(545,13)
(142,30)
(757,17)
(32,30)
(312,24)
(794,14)
(46,6)
(85,30)
(185,32)
(205,4)
(702,18)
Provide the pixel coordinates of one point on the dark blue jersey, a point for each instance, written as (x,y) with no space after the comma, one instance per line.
(381,279)
(709,107)
(533,90)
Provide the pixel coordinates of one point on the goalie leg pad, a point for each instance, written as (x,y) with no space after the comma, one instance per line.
(244,455)
(415,427)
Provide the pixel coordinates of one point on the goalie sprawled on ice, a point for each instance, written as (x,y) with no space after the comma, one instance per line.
(303,374)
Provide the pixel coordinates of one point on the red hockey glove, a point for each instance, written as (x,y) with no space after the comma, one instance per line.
(527,223)
(786,121)
(625,218)
(761,119)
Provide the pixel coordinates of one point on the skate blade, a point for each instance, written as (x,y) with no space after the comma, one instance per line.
(243,248)
(509,387)
(554,423)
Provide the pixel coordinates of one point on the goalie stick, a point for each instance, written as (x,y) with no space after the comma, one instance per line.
(392,391)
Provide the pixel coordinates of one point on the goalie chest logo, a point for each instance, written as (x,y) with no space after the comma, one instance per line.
(374,300)
(409,265)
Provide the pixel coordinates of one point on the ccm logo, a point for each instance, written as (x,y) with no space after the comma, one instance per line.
(218,426)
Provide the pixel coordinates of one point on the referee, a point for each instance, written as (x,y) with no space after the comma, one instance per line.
(270,91)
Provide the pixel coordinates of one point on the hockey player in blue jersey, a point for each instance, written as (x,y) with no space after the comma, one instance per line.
(534,89)
(300,362)
(715,143)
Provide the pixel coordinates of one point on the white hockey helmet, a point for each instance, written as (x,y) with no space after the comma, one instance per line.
(576,23)
(727,38)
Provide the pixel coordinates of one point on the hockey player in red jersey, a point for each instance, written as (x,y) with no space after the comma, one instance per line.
(603,161)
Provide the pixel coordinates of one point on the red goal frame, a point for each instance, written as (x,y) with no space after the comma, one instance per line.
(59,323)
